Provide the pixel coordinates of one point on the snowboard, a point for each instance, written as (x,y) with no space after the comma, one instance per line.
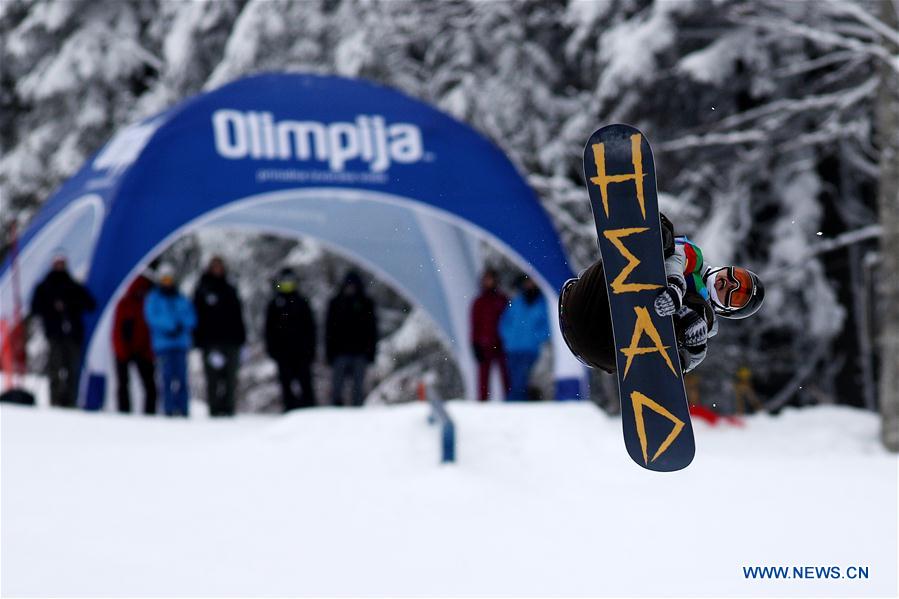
(621,181)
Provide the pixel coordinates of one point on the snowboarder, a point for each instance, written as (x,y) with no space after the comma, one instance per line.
(220,333)
(171,319)
(60,301)
(695,295)
(290,341)
(351,338)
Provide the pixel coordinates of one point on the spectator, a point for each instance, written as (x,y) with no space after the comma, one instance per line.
(524,329)
(171,319)
(60,302)
(220,334)
(290,341)
(351,336)
(485,340)
(131,344)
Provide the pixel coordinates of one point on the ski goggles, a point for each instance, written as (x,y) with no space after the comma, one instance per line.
(737,291)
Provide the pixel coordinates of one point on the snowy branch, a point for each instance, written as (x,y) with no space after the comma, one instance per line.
(825,38)
(841,99)
(827,245)
(866,18)
(690,142)
(833,131)
(812,65)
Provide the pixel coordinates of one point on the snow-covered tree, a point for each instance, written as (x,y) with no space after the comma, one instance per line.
(764,116)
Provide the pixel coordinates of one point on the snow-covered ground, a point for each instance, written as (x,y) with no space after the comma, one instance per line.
(543,501)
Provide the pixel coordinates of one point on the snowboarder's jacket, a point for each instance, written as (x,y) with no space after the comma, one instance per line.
(290,328)
(351,327)
(524,326)
(219,315)
(171,319)
(130,333)
(485,314)
(584,305)
(61,301)
(686,269)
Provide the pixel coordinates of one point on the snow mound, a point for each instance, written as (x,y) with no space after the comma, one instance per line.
(543,501)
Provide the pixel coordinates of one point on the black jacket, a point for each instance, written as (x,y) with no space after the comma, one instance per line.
(61,302)
(290,328)
(219,314)
(352,327)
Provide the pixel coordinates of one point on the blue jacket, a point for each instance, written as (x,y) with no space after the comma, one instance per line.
(524,327)
(171,319)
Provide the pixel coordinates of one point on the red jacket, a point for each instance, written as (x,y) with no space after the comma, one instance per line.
(130,334)
(485,314)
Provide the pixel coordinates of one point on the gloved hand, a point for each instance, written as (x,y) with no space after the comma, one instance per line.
(478,352)
(695,336)
(696,331)
(669,301)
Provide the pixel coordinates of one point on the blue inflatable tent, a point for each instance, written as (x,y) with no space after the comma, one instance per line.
(388,181)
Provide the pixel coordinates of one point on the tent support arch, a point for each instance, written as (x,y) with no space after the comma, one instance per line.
(411,196)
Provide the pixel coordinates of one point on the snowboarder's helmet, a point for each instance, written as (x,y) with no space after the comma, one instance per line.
(734,292)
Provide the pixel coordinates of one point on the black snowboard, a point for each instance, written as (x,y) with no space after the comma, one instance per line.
(622,185)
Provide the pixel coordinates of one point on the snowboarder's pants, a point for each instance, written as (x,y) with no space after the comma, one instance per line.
(63,364)
(520,366)
(586,319)
(220,364)
(348,366)
(296,384)
(173,369)
(146,371)
(489,355)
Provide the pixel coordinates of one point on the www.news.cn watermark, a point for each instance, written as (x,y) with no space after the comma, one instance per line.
(806,572)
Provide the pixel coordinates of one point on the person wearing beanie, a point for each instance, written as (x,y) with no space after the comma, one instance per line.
(61,302)
(524,329)
(351,338)
(220,333)
(131,345)
(486,344)
(290,339)
(171,319)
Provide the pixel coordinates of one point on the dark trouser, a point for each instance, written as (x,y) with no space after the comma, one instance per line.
(63,369)
(352,367)
(520,365)
(173,368)
(146,371)
(220,364)
(586,319)
(489,355)
(296,384)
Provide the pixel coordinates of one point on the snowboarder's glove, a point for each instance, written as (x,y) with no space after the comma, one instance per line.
(696,331)
(669,300)
(695,335)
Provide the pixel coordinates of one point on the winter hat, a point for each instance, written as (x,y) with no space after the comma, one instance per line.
(165,270)
(286,280)
(353,278)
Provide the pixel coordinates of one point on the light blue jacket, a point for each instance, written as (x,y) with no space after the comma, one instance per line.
(171,319)
(524,327)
